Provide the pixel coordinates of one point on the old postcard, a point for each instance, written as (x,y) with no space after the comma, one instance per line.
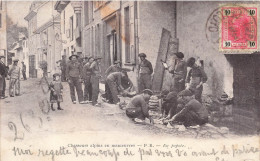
(129,80)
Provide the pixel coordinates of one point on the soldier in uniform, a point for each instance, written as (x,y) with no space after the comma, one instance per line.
(114,83)
(195,78)
(145,70)
(24,71)
(73,74)
(193,113)
(86,78)
(14,74)
(95,77)
(179,72)
(138,106)
(3,74)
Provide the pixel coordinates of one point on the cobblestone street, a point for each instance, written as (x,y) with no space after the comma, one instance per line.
(29,114)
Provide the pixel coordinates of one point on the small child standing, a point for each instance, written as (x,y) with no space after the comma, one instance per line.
(56,91)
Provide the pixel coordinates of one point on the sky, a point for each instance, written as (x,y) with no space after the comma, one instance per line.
(17,10)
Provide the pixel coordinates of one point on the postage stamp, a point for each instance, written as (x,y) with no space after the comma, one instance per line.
(238,28)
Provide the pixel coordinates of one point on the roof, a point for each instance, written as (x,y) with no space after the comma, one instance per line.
(60,5)
(30,15)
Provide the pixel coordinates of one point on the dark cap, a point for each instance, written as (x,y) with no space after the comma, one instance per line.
(56,74)
(179,55)
(191,62)
(15,60)
(142,55)
(148,91)
(97,57)
(186,92)
(72,56)
(117,62)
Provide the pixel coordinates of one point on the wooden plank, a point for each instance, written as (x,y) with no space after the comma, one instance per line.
(162,54)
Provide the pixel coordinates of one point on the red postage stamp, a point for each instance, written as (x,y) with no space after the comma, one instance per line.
(238,28)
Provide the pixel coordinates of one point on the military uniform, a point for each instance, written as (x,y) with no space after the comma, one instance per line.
(95,76)
(138,108)
(14,86)
(73,74)
(114,81)
(3,74)
(179,72)
(145,70)
(193,113)
(24,72)
(194,77)
(87,83)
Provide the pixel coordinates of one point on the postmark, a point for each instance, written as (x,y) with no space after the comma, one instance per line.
(238,28)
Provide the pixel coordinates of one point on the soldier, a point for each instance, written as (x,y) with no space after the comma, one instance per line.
(179,72)
(73,74)
(116,67)
(114,83)
(24,71)
(86,78)
(14,74)
(145,71)
(63,65)
(138,106)
(193,112)
(95,76)
(3,74)
(195,78)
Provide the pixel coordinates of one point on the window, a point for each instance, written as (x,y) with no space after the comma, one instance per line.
(86,14)
(0,20)
(71,28)
(64,14)
(127,35)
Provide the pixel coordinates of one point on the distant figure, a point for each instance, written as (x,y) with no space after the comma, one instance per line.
(56,89)
(95,77)
(138,106)
(195,78)
(73,74)
(14,74)
(3,74)
(193,113)
(24,71)
(86,74)
(145,70)
(63,66)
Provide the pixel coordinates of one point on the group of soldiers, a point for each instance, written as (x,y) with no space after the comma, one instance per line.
(13,74)
(182,103)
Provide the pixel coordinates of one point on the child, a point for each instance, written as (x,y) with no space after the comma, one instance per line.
(56,91)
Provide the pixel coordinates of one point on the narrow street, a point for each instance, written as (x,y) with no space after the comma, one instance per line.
(29,116)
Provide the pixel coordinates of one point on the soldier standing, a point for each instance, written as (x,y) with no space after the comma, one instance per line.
(73,74)
(63,66)
(3,74)
(14,74)
(145,70)
(86,78)
(95,77)
(195,78)
(24,71)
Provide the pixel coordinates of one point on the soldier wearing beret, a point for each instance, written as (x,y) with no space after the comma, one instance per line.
(195,78)
(138,106)
(3,74)
(87,80)
(14,74)
(145,70)
(193,112)
(73,74)
(95,77)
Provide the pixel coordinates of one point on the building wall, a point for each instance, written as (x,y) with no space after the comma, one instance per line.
(3,41)
(65,30)
(191,32)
